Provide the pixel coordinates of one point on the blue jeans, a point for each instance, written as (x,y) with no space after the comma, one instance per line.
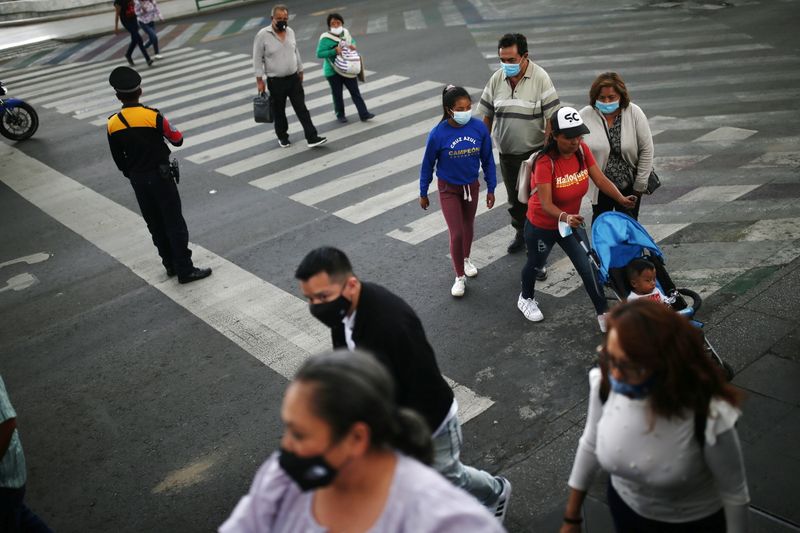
(150,29)
(337,82)
(15,517)
(539,242)
(446,460)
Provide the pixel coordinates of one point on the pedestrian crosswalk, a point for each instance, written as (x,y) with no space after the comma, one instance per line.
(710,116)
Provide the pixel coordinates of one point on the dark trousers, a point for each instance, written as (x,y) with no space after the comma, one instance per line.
(15,517)
(540,242)
(160,205)
(605,203)
(337,82)
(627,521)
(150,29)
(509,168)
(292,88)
(132,25)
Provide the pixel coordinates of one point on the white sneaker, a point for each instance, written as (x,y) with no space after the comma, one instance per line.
(459,286)
(501,507)
(601,320)
(158,56)
(530,308)
(469,269)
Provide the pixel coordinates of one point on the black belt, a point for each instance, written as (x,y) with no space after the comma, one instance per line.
(281,77)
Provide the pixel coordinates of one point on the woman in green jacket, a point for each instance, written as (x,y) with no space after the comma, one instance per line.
(330,45)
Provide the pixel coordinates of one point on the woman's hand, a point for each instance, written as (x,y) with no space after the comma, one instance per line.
(574,221)
(629,202)
(490,200)
(424,202)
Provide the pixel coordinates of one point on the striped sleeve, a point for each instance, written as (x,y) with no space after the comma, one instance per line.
(486,105)
(550,101)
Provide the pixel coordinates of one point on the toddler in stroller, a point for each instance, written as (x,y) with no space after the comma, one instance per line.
(620,243)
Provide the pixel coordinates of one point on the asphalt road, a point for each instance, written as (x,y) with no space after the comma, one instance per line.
(146,406)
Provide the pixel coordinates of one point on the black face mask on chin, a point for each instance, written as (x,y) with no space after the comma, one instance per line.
(331,313)
(281,25)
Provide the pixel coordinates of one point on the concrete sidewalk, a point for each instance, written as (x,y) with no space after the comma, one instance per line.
(75,28)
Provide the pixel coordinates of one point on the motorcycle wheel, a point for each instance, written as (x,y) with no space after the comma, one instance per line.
(19,123)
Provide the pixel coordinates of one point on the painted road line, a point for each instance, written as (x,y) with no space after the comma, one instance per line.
(84,82)
(218,30)
(331,158)
(272,325)
(715,194)
(414,20)
(786,159)
(230,129)
(334,158)
(726,134)
(379,203)
(491,247)
(776,229)
(187,34)
(652,56)
(354,180)
(450,14)
(155,95)
(433,224)
(677,162)
(378,24)
(116,48)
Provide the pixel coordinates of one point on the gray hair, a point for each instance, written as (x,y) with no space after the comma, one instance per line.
(279,7)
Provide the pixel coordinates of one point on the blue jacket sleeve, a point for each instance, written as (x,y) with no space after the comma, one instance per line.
(428,163)
(487,161)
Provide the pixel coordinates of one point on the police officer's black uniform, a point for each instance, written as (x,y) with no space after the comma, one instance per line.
(136,137)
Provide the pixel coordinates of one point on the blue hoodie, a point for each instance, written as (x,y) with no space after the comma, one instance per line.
(458,154)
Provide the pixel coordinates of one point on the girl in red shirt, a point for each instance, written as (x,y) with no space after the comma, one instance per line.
(561,177)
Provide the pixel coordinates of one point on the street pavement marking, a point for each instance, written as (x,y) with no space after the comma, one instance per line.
(776,229)
(726,134)
(414,20)
(204,79)
(354,180)
(27,259)
(333,157)
(237,127)
(272,325)
(187,34)
(716,194)
(677,162)
(786,159)
(433,224)
(378,24)
(450,14)
(491,247)
(379,203)
(219,29)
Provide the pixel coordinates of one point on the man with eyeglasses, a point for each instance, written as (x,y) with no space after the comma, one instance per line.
(275,56)
(517,105)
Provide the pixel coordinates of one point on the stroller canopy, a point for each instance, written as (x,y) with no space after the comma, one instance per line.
(618,239)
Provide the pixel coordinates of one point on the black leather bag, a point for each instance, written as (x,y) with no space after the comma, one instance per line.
(262,108)
(653,182)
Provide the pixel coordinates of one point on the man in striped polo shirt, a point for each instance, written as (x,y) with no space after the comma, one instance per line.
(517,105)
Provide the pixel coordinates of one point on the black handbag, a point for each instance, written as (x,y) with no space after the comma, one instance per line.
(262,108)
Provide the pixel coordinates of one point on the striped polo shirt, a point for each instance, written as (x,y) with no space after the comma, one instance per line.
(519,115)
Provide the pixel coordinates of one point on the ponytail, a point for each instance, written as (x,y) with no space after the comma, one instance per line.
(412,435)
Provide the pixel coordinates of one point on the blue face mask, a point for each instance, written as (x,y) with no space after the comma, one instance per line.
(608,108)
(462,117)
(510,69)
(634,392)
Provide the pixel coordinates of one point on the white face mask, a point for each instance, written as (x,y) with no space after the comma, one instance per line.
(337,31)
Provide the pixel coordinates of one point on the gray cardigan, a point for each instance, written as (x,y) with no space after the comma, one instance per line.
(636,143)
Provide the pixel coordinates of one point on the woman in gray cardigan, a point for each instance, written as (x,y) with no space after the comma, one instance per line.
(620,140)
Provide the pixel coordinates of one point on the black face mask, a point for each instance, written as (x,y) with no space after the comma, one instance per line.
(281,25)
(308,472)
(331,313)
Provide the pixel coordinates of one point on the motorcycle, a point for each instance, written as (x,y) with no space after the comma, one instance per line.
(18,120)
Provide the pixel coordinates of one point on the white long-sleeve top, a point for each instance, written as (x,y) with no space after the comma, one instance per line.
(636,143)
(659,470)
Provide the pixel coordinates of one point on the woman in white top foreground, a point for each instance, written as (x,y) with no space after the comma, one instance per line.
(665,431)
(346,463)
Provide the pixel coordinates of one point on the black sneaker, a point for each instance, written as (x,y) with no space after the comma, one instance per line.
(170,272)
(517,244)
(317,141)
(195,275)
(342,119)
(284,144)
(541,274)
(367,117)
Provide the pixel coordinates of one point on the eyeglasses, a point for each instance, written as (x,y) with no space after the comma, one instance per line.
(624,367)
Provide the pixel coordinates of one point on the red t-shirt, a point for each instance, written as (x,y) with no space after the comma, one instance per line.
(568,185)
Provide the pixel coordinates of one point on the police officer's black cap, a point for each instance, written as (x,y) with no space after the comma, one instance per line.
(125,80)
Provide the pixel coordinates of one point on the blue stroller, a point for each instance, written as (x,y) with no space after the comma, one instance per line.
(617,239)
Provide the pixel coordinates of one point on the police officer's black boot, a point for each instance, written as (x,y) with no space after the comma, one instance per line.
(194,275)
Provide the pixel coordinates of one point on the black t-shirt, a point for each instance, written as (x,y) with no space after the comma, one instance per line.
(126,9)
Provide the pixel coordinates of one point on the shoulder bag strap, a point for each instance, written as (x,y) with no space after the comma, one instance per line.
(121,118)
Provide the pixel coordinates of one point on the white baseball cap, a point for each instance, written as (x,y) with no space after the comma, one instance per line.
(568,122)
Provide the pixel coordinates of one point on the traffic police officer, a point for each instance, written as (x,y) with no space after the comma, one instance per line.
(136,137)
